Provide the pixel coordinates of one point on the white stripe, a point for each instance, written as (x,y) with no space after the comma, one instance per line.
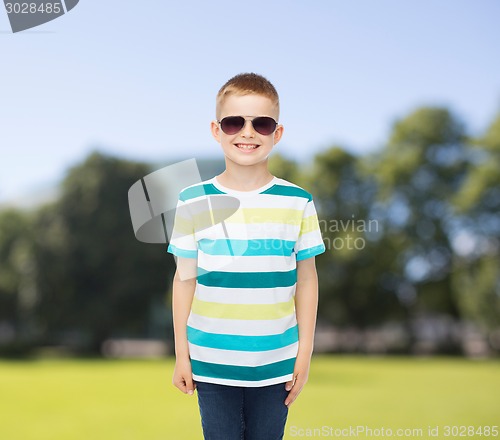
(274,201)
(244,383)
(284,182)
(242,358)
(185,242)
(230,295)
(254,263)
(308,240)
(309,210)
(245,327)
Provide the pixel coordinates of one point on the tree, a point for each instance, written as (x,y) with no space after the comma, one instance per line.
(96,280)
(418,172)
(284,168)
(477,235)
(349,271)
(17,274)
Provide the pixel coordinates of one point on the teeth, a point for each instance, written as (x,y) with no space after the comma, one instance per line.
(246,146)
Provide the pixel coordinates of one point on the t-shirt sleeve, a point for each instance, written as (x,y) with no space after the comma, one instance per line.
(182,241)
(310,242)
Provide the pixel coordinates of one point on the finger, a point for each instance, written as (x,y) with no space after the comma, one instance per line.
(179,383)
(290,383)
(292,395)
(189,385)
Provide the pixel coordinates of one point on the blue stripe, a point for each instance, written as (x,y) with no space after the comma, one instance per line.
(285,190)
(198,191)
(235,372)
(254,247)
(243,343)
(247,279)
(311,252)
(182,252)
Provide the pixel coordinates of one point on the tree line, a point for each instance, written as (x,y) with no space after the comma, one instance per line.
(410,229)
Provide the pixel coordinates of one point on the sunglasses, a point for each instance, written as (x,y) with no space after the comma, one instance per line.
(261,124)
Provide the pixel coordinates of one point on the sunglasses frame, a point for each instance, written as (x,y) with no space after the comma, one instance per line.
(246,118)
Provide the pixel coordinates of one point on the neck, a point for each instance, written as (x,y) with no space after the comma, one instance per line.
(245,178)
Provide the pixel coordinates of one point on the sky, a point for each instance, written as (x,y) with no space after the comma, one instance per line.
(138,79)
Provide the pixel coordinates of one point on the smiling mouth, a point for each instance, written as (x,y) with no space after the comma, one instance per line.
(247,147)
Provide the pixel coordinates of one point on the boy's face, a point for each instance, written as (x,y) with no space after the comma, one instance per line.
(238,147)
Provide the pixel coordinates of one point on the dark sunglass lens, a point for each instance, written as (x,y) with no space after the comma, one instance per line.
(264,125)
(232,124)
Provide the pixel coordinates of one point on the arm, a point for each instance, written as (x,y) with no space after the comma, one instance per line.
(306,306)
(182,298)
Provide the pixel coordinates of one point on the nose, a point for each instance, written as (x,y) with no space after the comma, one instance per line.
(247,130)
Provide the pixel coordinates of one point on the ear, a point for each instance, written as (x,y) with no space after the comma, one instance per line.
(278,133)
(215,129)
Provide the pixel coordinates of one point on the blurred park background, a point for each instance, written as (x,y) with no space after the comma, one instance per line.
(411,269)
(412,264)
(392,122)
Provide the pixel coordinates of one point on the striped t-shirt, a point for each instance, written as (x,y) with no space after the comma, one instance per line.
(242,329)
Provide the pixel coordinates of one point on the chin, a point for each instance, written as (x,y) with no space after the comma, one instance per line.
(246,161)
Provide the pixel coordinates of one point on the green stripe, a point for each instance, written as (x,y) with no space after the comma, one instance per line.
(247,279)
(235,372)
(254,247)
(243,343)
(198,191)
(285,190)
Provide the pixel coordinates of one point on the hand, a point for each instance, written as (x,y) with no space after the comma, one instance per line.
(183,376)
(300,376)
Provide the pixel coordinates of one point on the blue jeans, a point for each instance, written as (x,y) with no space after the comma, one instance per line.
(242,413)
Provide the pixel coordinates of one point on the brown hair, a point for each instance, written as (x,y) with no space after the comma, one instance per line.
(245,84)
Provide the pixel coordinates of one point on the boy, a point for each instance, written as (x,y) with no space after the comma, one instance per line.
(245,306)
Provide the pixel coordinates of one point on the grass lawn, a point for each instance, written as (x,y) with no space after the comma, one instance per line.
(134,399)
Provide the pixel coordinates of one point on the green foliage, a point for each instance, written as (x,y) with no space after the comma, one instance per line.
(477,288)
(418,172)
(481,189)
(350,270)
(95,277)
(477,275)
(424,152)
(410,229)
(17,289)
(284,168)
